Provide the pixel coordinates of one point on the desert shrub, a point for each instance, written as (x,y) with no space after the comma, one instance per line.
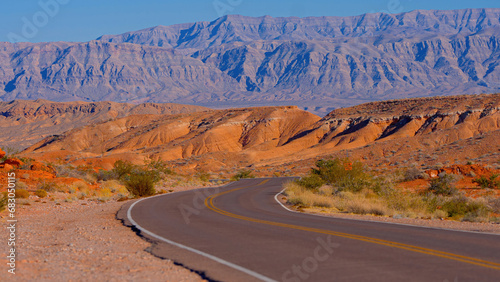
(494,203)
(203,176)
(488,182)
(360,205)
(443,185)
(22,193)
(302,197)
(439,214)
(104,175)
(114,186)
(460,206)
(141,184)
(47,186)
(26,163)
(41,193)
(402,202)
(159,166)
(79,185)
(344,174)
(412,174)
(123,168)
(313,182)
(242,174)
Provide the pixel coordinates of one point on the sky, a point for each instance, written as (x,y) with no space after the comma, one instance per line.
(84,20)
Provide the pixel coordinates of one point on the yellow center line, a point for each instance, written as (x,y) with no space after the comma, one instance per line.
(209,203)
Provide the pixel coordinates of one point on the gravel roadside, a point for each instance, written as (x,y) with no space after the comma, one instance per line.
(81,241)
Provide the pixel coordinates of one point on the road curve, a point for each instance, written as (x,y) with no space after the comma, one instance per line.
(239,232)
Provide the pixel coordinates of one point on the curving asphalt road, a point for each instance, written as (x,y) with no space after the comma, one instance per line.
(239,232)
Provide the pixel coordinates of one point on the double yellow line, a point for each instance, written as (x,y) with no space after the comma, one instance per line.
(209,203)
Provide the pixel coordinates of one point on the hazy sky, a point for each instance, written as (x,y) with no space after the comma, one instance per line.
(83,20)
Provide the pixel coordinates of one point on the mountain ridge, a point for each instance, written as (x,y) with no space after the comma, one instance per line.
(317,63)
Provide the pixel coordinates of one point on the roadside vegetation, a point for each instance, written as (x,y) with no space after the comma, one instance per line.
(345,186)
(86,182)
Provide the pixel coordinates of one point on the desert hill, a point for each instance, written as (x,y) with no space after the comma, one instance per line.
(264,137)
(245,61)
(24,122)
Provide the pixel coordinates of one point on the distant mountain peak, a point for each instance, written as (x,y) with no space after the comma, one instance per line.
(315,62)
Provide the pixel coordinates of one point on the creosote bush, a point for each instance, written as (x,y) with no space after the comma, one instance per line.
(22,193)
(141,184)
(242,174)
(313,182)
(443,185)
(41,193)
(344,175)
(492,182)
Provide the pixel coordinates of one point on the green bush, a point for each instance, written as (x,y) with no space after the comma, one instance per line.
(122,169)
(344,175)
(41,193)
(159,166)
(485,182)
(141,184)
(313,182)
(22,193)
(460,206)
(242,174)
(443,185)
(203,176)
(104,175)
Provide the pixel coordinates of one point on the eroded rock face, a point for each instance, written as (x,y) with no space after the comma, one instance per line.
(245,61)
(24,123)
(256,136)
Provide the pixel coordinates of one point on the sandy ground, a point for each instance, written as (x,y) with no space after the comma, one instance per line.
(81,241)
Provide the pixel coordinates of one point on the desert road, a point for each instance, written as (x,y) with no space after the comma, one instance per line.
(239,232)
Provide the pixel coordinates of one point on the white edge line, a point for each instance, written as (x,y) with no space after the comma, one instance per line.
(209,256)
(375,221)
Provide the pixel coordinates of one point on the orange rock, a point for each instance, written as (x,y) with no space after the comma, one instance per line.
(2,153)
(6,167)
(39,166)
(13,162)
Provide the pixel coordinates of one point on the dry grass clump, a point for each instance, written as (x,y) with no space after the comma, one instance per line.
(341,186)
(303,197)
(41,193)
(22,193)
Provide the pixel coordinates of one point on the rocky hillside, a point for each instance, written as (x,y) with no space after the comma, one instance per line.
(24,123)
(230,139)
(244,61)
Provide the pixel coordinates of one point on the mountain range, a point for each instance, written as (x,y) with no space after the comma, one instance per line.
(317,63)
